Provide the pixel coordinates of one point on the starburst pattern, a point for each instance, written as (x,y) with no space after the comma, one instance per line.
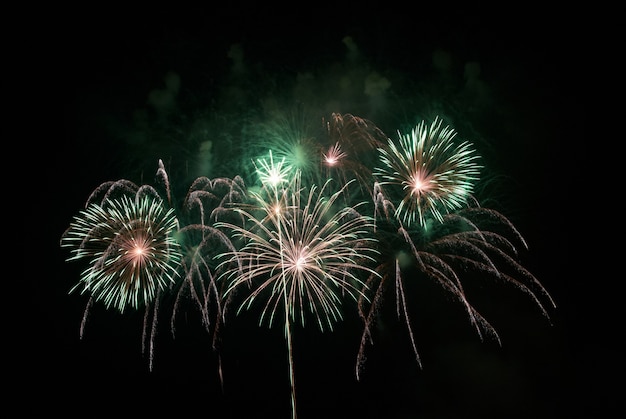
(427,172)
(351,153)
(301,253)
(130,247)
(273,172)
(308,249)
(334,155)
(292,138)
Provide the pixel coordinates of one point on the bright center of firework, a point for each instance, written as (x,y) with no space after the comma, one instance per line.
(274,178)
(138,253)
(331,160)
(138,249)
(419,184)
(300,263)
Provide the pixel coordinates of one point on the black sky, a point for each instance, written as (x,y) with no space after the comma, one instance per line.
(98,70)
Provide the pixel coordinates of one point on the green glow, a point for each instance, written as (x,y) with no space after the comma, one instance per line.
(336,218)
(272,173)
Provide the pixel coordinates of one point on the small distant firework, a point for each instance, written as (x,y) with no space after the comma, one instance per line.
(292,138)
(130,247)
(274,173)
(427,173)
(334,155)
(352,146)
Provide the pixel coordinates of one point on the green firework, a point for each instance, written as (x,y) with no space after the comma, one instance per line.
(130,248)
(427,173)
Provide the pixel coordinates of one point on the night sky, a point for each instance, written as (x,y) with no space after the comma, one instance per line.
(134,88)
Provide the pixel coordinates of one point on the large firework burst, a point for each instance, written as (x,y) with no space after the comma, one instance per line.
(304,245)
(427,173)
(301,252)
(130,247)
(94,234)
(176,259)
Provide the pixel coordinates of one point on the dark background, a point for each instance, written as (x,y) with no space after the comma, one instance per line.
(94,73)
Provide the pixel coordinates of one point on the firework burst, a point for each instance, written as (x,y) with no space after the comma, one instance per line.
(139,248)
(427,172)
(351,152)
(292,138)
(301,253)
(304,245)
(130,247)
(441,231)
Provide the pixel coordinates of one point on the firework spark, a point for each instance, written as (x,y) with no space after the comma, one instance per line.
(301,253)
(292,138)
(352,149)
(308,248)
(428,172)
(131,250)
(206,202)
(472,240)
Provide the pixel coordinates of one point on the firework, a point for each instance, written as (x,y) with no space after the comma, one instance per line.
(298,250)
(119,215)
(273,173)
(206,202)
(427,172)
(292,138)
(351,152)
(429,222)
(305,247)
(472,240)
(130,247)
(301,253)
